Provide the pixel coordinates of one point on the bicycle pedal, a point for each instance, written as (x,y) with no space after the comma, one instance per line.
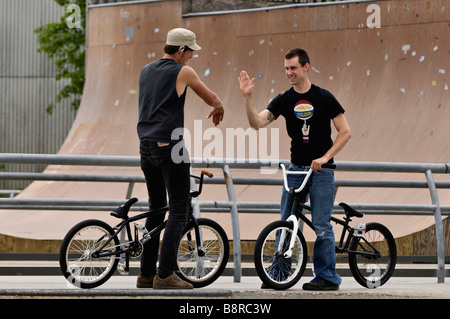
(122,269)
(139,226)
(359,230)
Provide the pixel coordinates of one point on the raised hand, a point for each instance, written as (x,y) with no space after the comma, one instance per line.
(246,84)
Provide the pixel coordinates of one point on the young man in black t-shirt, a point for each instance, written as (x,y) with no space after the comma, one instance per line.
(308,111)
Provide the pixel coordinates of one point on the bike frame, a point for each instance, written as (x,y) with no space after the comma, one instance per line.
(294,217)
(98,253)
(297,215)
(126,224)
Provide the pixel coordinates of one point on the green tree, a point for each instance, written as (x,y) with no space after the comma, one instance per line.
(64,42)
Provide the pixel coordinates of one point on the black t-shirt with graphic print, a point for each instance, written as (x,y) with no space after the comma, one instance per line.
(312,111)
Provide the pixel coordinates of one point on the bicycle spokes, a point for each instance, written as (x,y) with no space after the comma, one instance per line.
(198,259)
(82,259)
(372,258)
(278,265)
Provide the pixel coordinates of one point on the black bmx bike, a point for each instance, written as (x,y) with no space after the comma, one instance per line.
(281,253)
(92,250)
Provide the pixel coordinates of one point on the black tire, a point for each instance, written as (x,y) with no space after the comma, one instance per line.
(273,269)
(201,271)
(374,268)
(75,260)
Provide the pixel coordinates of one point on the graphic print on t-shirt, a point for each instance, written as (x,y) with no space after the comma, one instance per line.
(304,110)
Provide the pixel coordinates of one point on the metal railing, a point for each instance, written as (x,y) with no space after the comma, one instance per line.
(232,205)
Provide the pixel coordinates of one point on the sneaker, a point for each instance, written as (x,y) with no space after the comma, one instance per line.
(171,282)
(144,281)
(320,284)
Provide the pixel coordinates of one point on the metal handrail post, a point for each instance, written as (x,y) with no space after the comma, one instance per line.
(439,227)
(235,224)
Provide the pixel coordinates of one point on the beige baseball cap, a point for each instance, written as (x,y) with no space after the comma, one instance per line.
(180,37)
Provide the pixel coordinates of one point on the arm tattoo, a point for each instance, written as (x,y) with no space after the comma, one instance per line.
(270,117)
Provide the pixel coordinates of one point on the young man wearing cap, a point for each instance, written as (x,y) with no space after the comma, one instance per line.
(162,92)
(308,111)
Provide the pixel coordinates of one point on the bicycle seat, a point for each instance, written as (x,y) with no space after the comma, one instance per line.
(351,212)
(122,210)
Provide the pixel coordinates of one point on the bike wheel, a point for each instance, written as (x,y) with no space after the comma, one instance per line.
(75,256)
(202,269)
(273,268)
(372,258)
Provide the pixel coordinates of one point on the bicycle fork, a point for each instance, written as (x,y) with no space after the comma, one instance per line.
(200,251)
(197,250)
(295,225)
(288,253)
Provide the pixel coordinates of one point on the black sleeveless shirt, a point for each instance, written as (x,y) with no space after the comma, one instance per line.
(161,111)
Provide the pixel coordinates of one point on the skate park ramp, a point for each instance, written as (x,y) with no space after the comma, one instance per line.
(392,81)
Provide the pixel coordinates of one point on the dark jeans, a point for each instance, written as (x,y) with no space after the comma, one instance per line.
(163,177)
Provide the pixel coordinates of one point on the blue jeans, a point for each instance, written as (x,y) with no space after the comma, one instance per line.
(321,192)
(163,177)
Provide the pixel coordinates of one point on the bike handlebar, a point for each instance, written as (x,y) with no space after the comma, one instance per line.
(305,180)
(207,173)
(200,178)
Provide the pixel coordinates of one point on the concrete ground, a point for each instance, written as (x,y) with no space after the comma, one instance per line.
(223,288)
